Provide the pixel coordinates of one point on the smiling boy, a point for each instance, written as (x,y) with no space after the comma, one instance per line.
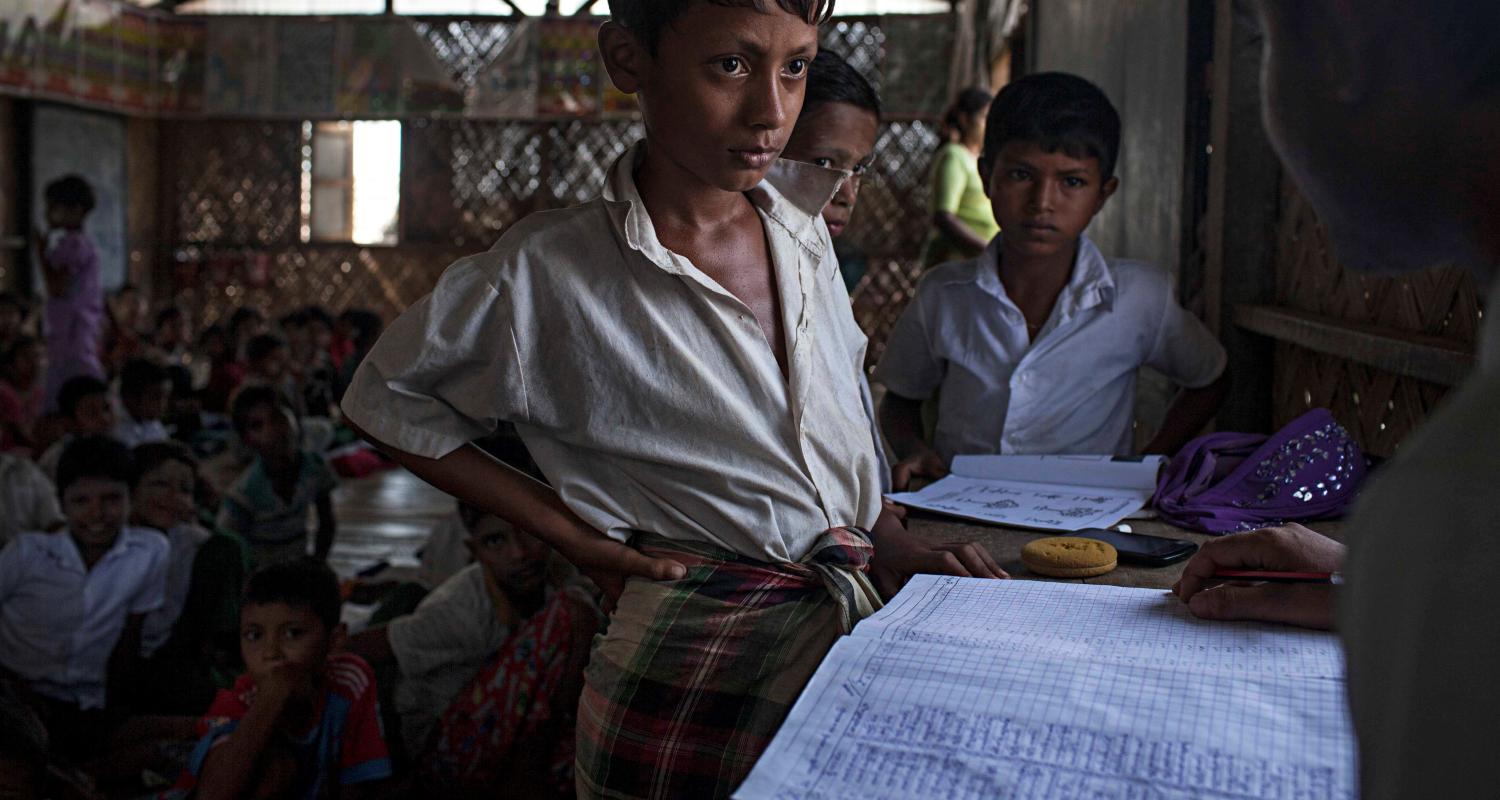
(1033,346)
(73,603)
(680,358)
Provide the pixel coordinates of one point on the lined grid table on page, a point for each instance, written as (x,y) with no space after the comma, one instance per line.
(890,715)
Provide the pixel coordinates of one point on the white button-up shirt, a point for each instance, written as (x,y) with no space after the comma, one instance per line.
(60,620)
(1072,390)
(644,390)
(28,501)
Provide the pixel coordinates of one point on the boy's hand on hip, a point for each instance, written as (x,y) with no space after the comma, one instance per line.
(900,555)
(925,464)
(609,563)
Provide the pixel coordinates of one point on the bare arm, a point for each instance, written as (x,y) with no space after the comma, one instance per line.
(477,479)
(327,526)
(901,422)
(233,766)
(58,281)
(900,554)
(1190,411)
(955,229)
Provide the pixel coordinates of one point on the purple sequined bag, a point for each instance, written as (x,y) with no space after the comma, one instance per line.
(1231,482)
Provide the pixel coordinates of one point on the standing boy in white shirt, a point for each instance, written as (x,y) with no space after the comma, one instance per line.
(680,359)
(72,603)
(1033,346)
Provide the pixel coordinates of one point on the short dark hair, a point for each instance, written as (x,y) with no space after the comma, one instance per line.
(366,324)
(253,397)
(968,103)
(648,18)
(169,314)
(299,582)
(140,374)
(71,191)
(75,389)
(9,355)
(243,316)
(831,79)
(94,457)
(149,456)
(1056,111)
(317,313)
(262,346)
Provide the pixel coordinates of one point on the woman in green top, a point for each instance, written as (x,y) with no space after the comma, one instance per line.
(961,217)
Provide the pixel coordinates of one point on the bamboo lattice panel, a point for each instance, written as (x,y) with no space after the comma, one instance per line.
(234,217)
(1378,407)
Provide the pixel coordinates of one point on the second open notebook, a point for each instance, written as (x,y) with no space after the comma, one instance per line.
(1064,493)
(963,688)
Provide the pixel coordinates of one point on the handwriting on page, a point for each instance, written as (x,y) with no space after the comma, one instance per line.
(1108,624)
(931,701)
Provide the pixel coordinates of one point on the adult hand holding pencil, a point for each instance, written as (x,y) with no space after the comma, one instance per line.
(1285,574)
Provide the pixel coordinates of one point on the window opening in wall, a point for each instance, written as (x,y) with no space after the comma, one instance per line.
(351,181)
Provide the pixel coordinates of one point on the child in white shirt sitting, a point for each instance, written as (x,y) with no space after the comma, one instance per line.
(72,604)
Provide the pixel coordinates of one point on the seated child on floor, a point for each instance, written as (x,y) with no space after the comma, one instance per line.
(268,504)
(192,641)
(506,596)
(1033,347)
(86,410)
(73,603)
(303,721)
(28,501)
(145,392)
(23,369)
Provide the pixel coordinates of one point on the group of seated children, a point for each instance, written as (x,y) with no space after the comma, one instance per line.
(132,619)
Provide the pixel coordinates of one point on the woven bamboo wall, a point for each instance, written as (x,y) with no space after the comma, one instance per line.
(1378,407)
(233,217)
(230,215)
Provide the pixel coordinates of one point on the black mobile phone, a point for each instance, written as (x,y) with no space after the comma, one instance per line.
(1138,548)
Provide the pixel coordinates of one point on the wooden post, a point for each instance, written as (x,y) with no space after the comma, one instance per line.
(142,266)
(1244,204)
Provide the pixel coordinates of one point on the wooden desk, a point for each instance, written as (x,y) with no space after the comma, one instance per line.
(1005,543)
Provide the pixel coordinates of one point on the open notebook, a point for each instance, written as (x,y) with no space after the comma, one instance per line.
(964,689)
(1057,493)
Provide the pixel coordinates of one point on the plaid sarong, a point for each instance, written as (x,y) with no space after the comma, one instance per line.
(693,677)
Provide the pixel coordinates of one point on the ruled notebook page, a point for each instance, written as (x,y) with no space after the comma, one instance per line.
(963,689)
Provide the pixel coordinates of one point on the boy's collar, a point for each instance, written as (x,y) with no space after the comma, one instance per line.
(1090,284)
(63,545)
(792,193)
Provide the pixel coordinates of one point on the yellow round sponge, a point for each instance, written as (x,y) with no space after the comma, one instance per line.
(1069,557)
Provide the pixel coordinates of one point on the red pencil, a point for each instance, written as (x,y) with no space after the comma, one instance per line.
(1266,576)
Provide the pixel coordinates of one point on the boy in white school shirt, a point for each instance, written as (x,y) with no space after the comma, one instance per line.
(72,603)
(680,359)
(1033,346)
